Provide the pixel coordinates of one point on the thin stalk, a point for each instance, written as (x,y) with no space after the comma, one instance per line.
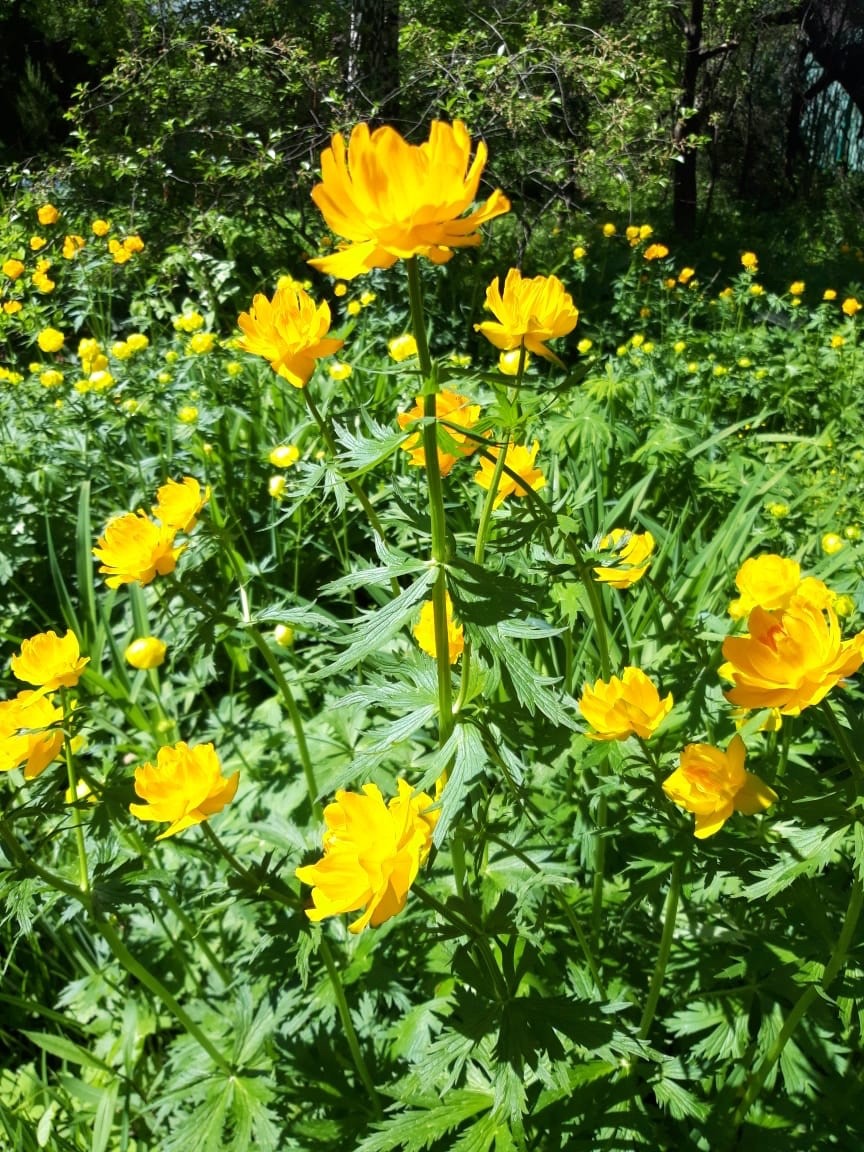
(348,1025)
(288,899)
(83,873)
(842,737)
(669,914)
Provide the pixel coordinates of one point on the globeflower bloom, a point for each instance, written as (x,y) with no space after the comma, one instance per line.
(372,854)
(392,200)
(72,245)
(402,347)
(134,550)
(750,261)
(713,784)
(625,706)
(631,554)
(284,455)
(656,252)
(770,581)
(50,661)
(520,460)
(13,269)
(47,214)
(146,652)
(290,331)
(850,306)
(29,733)
(424,631)
(184,787)
(790,659)
(528,312)
(453,408)
(178,503)
(50,340)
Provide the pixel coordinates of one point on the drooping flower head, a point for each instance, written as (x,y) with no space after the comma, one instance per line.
(453,408)
(50,661)
(178,503)
(629,560)
(424,631)
(183,787)
(392,200)
(290,331)
(372,854)
(135,549)
(530,311)
(625,706)
(790,659)
(713,784)
(30,735)
(520,460)
(770,581)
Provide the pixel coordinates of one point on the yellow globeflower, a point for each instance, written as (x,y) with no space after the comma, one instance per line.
(284,455)
(770,581)
(831,543)
(276,487)
(632,234)
(50,661)
(47,214)
(30,734)
(609,229)
(178,503)
(796,288)
(201,343)
(625,706)
(453,408)
(51,378)
(101,227)
(686,275)
(631,554)
(402,347)
(10,307)
(188,322)
(790,659)
(339,370)
(372,854)
(134,550)
(829,294)
(850,306)
(424,631)
(146,652)
(713,784)
(656,252)
(290,331)
(520,460)
(133,244)
(392,200)
(750,261)
(13,269)
(72,245)
(50,340)
(188,414)
(37,242)
(183,787)
(528,311)
(137,342)
(119,254)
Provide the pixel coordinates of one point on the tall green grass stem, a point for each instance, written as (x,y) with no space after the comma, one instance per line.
(670,913)
(348,1024)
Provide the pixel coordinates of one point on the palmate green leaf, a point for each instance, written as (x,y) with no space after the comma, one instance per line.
(420,1128)
(812,850)
(532,689)
(360,454)
(679,1100)
(463,757)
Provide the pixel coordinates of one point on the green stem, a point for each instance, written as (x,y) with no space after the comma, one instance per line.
(475,935)
(348,1025)
(83,873)
(599,867)
(842,737)
(255,882)
(669,914)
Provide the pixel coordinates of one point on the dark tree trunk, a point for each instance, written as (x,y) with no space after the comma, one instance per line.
(373,59)
(687,124)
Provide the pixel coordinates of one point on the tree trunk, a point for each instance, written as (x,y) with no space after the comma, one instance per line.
(373,59)
(687,123)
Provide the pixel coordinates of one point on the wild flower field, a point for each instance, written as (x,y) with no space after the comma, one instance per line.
(431,710)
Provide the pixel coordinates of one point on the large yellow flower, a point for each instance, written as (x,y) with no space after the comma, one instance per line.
(520,460)
(713,784)
(392,200)
(135,549)
(424,631)
(50,661)
(631,554)
(528,311)
(29,733)
(183,787)
(770,581)
(625,706)
(453,408)
(178,503)
(372,854)
(290,331)
(790,659)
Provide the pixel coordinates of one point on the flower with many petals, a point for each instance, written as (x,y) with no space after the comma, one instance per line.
(712,784)
(625,706)
(656,252)
(50,340)
(424,631)
(528,312)
(47,214)
(372,854)
(290,331)
(50,661)
(178,503)
(519,459)
(790,659)
(13,269)
(850,306)
(770,581)
(30,733)
(749,261)
(183,787)
(134,549)
(631,554)
(392,200)
(452,445)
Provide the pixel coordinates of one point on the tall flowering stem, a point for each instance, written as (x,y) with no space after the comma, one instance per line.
(436,504)
(669,914)
(72,776)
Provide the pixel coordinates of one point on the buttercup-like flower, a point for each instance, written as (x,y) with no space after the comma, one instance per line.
(850,306)
(47,214)
(135,549)
(528,311)
(631,553)
(50,340)
(72,245)
(284,455)
(392,200)
(519,459)
(50,661)
(749,260)
(13,269)
(770,581)
(626,706)
(146,652)
(455,409)
(29,733)
(183,787)
(656,252)
(713,784)
(372,854)
(290,331)
(424,631)
(790,659)
(178,503)
(101,227)
(402,347)
(796,288)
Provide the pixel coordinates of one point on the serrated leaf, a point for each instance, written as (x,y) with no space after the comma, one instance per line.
(418,1129)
